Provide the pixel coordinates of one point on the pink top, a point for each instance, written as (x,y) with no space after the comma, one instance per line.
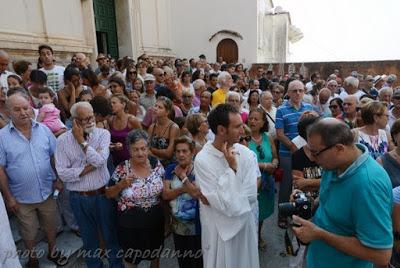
(52,117)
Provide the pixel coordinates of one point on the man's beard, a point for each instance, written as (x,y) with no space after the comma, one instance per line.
(89,129)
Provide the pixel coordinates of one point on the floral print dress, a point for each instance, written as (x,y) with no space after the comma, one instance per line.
(143,192)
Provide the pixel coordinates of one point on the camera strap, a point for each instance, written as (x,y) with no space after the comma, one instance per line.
(289,246)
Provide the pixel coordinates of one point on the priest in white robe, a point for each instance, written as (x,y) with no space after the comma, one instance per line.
(227,175)
(8,252)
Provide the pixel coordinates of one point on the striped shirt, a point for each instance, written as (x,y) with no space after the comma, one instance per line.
(71,160)
(287,118)
(27,162)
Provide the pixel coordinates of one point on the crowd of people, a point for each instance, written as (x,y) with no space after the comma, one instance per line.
(132,150)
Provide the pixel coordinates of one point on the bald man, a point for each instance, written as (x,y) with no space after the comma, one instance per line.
(322,107)
(28,177)
(349,115)
(4,73)
(81,61)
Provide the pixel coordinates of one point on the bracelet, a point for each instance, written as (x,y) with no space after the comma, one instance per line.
(184,180)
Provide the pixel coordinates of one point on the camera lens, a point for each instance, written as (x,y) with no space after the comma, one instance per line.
(287,209)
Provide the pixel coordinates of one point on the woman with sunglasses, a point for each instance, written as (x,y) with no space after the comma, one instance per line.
(264,147)
(336,107)
(130,78)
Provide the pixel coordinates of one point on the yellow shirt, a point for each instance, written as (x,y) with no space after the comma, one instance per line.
(218,97)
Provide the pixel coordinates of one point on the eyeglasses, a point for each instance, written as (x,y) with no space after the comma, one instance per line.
(246,138)
(86,120)
(260,152)
(134,72)
(318,153)
(333,106)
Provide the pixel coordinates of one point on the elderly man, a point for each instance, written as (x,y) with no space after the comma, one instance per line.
(349,115)
(81,61)
(55,73)
(160,77)
(322,106)
(350,85)
(148,98)
(199,86)
(4,73)
(332,85)
(352,226)
(27,176)
(287,117)
(227,175)
(225,82)
(81,162)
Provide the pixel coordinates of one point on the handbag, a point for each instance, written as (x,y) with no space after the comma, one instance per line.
(278,174)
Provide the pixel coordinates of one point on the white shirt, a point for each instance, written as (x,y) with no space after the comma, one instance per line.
(3,80)
(229,232)
(55,77)
(344,94)
(8,252)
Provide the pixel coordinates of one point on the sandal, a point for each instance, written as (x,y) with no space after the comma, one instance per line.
(58,258)
(282,223)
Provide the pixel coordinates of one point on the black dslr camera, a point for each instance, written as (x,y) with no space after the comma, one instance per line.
(302,206)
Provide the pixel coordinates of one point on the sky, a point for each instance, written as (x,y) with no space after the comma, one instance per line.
(344,30)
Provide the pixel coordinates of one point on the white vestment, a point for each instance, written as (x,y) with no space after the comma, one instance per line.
(229,233)
(8,253)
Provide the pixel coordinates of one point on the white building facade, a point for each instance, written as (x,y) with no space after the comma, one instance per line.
(246,31)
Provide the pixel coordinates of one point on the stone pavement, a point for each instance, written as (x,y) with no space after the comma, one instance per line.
(270,258)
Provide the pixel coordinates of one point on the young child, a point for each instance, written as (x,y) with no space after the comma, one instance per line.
(49,115)
(86,95)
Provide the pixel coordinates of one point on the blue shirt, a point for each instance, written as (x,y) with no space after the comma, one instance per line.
(287,117)
(27,162)
(356,203)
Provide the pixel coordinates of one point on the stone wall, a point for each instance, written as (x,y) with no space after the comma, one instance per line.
(327,68)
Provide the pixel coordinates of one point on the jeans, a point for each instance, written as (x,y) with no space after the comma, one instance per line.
(96,214)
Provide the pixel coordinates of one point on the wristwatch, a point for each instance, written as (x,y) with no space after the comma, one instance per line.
(84,145)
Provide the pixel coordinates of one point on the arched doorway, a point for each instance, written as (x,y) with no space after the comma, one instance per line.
(228,50)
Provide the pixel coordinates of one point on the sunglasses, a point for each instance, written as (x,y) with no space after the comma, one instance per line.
(260,152)
(246,138)
(133,72)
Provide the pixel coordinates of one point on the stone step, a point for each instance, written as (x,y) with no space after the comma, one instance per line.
(67,242)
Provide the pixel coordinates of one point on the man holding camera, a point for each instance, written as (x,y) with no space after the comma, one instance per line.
(352,226)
